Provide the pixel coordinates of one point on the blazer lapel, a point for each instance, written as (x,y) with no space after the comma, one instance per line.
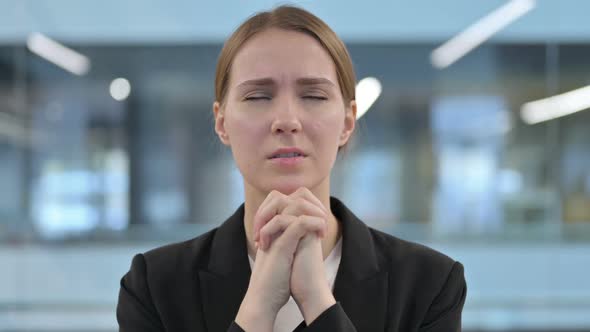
(225,281)
(360,286)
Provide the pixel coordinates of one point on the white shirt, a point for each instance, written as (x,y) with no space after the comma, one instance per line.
(289,316)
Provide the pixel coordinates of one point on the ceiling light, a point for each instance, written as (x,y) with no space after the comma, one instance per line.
(479,32)
(367,91)
(120,89)
(58,54)
(556,106)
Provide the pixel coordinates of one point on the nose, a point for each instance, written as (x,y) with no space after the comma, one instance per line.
(286,119)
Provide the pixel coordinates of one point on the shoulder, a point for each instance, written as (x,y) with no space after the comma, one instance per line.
(162,284)
(181,258)
(395,250)
(415,266)
(432,282)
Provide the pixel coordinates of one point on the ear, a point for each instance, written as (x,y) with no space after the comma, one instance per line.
(349,123)
(219,115)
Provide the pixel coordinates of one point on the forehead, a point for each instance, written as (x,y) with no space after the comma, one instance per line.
(282,55)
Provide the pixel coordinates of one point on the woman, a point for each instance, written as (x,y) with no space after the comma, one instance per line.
(291,257)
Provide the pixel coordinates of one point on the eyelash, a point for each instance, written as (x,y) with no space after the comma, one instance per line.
(315,97)
(256,98)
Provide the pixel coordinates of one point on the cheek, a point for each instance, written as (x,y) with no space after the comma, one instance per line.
(326,130)
(243,128)
(245,134)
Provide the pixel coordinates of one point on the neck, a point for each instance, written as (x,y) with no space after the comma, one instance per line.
(254,198)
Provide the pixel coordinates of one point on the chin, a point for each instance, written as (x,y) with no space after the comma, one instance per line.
(287,187)
(286,190)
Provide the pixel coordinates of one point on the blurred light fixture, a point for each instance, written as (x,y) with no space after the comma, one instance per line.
(479,32)
(556,106)
(58,54)
(120,89)
(367,91)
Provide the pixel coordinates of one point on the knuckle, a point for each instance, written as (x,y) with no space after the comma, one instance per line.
(266,229)
(304,190)
(315,224)
(264,232)
(303,222)
(299,201)
(300,190)
(282,220)
(257,219)
(300,194)
(276,219)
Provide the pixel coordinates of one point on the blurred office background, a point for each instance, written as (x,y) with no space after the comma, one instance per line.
(107,147)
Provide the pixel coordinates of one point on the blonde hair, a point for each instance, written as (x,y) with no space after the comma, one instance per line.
(293,19)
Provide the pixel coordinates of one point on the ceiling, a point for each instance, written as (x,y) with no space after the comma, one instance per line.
(186,21)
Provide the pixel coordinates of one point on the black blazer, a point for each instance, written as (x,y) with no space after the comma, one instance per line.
(383,284)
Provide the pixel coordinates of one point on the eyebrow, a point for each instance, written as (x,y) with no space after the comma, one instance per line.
(266,81)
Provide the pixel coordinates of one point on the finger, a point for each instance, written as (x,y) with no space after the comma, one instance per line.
(299,206)
(302,206)
(307,194)
(279,223)
(273,229)
(296,230)
(275,202)
(295,206)
(270,207)
(276,226)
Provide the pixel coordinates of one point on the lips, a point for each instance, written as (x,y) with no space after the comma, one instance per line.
(287,153)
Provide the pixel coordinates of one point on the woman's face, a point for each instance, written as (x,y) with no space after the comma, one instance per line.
(284,93)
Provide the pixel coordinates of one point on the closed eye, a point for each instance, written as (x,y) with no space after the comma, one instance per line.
(255,98)
(315,97)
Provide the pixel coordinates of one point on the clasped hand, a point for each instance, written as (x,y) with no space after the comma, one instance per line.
(289,260)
